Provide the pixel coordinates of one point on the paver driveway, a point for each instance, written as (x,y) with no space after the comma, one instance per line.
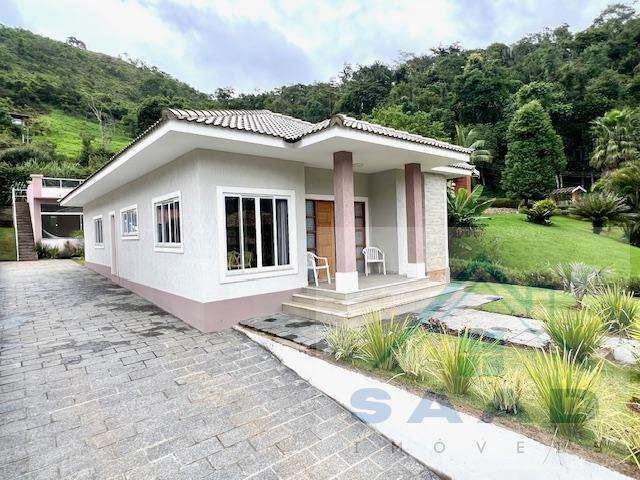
(95,382)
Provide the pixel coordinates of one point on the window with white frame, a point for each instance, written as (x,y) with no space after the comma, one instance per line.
(98,238)
(167,221)
(256,231)
(129,217)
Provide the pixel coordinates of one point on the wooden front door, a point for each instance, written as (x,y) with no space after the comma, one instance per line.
(325,238)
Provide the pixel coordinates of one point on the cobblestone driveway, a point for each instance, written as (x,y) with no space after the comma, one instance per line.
(97,383)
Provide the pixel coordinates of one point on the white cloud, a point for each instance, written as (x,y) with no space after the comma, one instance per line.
(262,44)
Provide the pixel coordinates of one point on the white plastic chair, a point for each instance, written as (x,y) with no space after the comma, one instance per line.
(313,263)
(375,256)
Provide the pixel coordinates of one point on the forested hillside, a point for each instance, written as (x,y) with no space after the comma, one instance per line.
(86,105)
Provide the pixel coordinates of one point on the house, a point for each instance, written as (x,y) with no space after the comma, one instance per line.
(566,195)
(39,217)
(209,214)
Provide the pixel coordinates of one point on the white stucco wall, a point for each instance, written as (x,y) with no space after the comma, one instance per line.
(435,222)
(194,273)
(319,181)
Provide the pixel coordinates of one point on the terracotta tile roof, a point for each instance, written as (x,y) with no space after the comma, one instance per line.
(293,129)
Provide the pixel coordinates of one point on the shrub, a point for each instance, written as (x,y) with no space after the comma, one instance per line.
(628,432)
(502,202)
(413,357)
(45,251)
(541,212)
(565,388)
(481,269)
(465,209)
(381,340)
(343,340)
(578,333)
(600,208)
(505,393)
(456,361)
(580,279)
(617,308)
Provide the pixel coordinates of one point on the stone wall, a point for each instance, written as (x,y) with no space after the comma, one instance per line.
(435,227)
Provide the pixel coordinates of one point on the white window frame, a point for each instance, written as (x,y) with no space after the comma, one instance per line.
(230,276)
(129,236)
(63,214)
(95,243)
(167,247)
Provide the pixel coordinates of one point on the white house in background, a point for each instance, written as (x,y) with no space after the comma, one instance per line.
(209,214)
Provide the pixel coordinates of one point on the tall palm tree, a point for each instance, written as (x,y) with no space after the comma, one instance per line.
(470,137)
(616,138)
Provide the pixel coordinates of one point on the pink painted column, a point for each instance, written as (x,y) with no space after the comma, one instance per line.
(346,273)
(415,220)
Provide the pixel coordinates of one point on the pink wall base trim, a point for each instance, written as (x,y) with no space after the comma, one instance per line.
(206,317)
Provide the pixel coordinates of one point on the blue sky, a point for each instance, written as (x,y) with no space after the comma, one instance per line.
(261,44)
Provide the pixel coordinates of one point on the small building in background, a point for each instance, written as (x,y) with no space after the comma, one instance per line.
(21,120)
(39,217)
(567,195)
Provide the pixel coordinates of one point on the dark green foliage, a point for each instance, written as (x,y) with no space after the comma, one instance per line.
(534,154)
(418,122)
(68,250)
(541,212)
(22,154)
(503,202)
(601,208)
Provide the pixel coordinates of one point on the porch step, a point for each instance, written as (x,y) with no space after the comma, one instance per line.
(391,300)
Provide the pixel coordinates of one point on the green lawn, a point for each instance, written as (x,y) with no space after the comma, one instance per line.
(519,300)
(7,244)
(64,132)
(522,246)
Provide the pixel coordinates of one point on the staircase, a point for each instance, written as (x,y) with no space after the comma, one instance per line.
(24,232)
(329,306)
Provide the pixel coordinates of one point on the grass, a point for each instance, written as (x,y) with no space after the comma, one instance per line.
(523,246)
(500,361)
(64,131)
(518,300)
(7,244)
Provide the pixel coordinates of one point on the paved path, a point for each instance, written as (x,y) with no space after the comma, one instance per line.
(97,383)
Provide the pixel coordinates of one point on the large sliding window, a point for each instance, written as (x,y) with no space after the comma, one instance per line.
(257,231)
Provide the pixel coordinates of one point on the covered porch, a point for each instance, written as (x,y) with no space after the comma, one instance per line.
(401,211)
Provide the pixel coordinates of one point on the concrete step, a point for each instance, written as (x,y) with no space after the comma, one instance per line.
(398,287)
(26,244)
(333,312)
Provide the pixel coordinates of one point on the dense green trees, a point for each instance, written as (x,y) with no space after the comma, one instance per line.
(617,134)
(575,77)
(534,154)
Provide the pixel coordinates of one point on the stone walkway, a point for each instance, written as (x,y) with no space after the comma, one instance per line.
(95,382)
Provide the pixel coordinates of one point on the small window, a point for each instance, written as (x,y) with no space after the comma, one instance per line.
(98,238)
(168,230)
(129,218)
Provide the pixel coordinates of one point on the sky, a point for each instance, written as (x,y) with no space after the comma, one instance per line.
(262,44)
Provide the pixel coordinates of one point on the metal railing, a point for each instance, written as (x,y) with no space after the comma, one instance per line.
(52,182)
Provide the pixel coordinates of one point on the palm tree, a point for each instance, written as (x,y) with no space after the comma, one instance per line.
(469,137)
(616,139)
(601,208)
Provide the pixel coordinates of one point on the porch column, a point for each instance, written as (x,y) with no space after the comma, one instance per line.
(415,220)
(346,273)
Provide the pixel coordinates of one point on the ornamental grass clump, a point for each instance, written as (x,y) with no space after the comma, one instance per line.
(580,279)
(578,333)
(382,339)
(566,389)
(618,308)
(413,357)
(343,340)
(456,361)
(505,393)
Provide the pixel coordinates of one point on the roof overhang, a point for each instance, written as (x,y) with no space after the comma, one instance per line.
(171,139)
